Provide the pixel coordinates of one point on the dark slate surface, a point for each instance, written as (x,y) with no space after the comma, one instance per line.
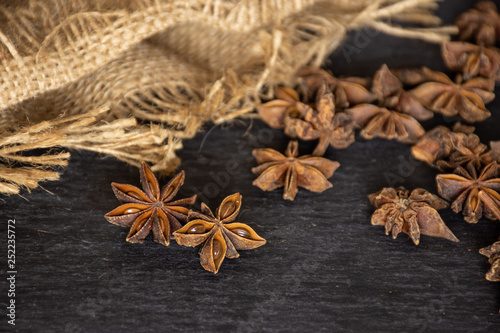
(325,268)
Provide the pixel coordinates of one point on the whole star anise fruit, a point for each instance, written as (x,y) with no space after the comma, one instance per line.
(481,24)
(472,60)
(475,195)
(449,98)
(493,254)
(346,91)
(467,148)
(321,123)
(287,103)
(150,208)
(436,145)
(414,214)
(218,235)
(276,170)
(396,113)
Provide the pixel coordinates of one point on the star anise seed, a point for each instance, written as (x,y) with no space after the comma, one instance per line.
(151,208)
(475,195)
(414,214)
(276,170)
(217,234)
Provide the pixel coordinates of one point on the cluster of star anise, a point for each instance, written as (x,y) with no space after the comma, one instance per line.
(154,209)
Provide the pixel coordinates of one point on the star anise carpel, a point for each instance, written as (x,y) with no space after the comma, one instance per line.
(474,193)
(480,24)
(413,213)
(449,98)
(219,236)
(492,252)
(276,170)
(150,208)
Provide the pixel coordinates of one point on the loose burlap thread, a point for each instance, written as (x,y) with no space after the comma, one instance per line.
(132,79)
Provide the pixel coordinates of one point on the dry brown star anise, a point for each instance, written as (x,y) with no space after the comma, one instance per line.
(219,238)
(481,24)
(322,123)
(289,171)
(384,123)
(472,60)
(150,208)
(436,144)
(467,148)
(390,94)
(449,98)
(493,254)
(395,116)
(474,195)
(287,103)
(414,214)
(346,91)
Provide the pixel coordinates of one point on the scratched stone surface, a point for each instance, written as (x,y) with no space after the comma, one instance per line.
(324,268)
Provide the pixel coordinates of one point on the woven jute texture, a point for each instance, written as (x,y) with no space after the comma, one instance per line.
(155,70)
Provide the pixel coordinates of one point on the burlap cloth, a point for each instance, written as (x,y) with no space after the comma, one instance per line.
(133,78)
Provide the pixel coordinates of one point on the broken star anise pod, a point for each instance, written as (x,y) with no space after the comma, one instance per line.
(475,195)
(449,98)
(218,235)
(322,123)
(346,91)
(276,170)
(472,60)
(493,254)
(150,209)
(414,214)
(481,24)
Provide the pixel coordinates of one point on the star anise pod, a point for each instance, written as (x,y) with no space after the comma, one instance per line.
(151,208)
(414,214)
(390,94)
(287,103)
(436,144)
(218,235)
(466,99)
(493,254)
(346,91)
(475,195)
(472,60)
(276,170)
(466,149)
(321,123)
(481,24)
(384,123)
